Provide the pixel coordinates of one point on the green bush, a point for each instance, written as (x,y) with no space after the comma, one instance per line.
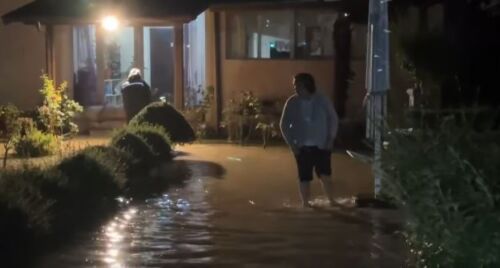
(20,195)
(196,112)
(164,115)
(446,179)
(139,150)
(8,116)
(35,143)
(92,172)
(58,110)
(240,117)
(156,137)
(118,159)
(24,213)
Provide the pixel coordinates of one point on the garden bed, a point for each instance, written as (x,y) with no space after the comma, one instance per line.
(45,200)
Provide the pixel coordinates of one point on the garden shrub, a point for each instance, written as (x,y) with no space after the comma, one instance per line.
(107,177)
(24,213)
(240,117)
(196,112)
(20,195)
(90,185)
(8,116)
(166,116)
(139,150)
(35,143)
(9,126)
(58,110)
(156,137)
(115,157)
(446,179)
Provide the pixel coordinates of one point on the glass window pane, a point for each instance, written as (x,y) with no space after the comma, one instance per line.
(119,60)
(84,59)
(314,31)
(159,62)
(243,35)
(276,34)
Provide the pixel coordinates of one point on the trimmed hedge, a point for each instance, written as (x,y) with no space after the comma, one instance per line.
(45,206)
(166,116)
(156,137)
(90,174)
(25,215)
(141,153)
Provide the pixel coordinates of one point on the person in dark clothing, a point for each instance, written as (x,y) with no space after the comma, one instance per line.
(136,94)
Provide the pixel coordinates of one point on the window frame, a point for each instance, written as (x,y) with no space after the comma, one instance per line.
(293,38)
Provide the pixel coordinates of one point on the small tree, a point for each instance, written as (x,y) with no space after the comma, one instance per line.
(8,128)
(58,110)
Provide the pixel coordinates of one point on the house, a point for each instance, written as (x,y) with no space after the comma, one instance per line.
(183,46)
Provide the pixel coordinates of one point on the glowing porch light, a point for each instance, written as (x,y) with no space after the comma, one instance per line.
(110,23)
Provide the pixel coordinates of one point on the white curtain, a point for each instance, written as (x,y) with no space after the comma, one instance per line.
(194,61)
(84,60)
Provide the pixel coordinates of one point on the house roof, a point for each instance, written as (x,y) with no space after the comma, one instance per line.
(357,8)
(155,11)
(88,11)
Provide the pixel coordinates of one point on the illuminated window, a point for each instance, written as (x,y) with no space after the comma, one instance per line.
(283,34)
(265,35)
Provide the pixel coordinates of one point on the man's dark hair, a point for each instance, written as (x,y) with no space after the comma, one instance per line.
(307,80)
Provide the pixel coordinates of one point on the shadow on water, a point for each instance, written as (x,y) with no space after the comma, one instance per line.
(179,172)
(197,168)
(180,153)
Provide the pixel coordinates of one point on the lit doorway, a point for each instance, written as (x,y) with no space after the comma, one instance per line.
(159,61)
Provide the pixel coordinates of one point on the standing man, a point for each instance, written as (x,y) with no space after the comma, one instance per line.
(309,125)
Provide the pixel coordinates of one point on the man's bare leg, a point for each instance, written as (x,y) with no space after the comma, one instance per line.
(305,193)
(327,183)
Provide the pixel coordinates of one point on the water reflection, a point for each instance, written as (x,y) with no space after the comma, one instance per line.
(163,230)
(206,222)
(114,234)
(173,228)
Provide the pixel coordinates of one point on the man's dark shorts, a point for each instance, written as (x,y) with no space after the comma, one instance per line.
(311,159)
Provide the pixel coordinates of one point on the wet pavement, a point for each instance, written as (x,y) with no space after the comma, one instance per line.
(239,207)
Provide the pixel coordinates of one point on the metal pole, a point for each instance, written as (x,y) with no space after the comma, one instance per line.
(378,81)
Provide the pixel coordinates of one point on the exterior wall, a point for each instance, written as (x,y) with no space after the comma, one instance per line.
(272,79)
(63,53)
(22,54)
(269,79)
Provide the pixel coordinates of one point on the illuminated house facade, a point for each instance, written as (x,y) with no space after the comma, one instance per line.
(182,47)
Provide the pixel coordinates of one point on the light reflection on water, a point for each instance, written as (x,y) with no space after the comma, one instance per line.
(189,226)
(161,231)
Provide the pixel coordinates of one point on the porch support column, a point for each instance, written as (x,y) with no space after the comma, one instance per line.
(179,66)
(100,64)
(212,64)
(139,48)
(49,52)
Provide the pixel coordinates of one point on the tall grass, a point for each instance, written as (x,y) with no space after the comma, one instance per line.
(446,178)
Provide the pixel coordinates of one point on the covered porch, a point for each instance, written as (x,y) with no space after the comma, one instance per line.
(93,45)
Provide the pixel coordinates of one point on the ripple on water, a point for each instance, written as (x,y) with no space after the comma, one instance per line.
(182,229)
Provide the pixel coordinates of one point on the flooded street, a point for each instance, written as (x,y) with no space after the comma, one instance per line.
(239,207)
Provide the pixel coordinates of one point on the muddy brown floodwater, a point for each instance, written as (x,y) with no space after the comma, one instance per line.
(239,207)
